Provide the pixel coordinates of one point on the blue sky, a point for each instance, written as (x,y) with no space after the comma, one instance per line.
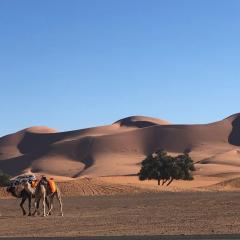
(75,64)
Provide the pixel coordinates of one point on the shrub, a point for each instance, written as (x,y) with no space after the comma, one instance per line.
(4,179)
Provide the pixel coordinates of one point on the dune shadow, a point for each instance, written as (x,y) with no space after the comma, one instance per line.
(234,137)
(88,159)
(33,142)
(15,166)
(139,124)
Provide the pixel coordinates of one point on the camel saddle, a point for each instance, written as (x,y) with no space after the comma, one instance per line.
(52,185)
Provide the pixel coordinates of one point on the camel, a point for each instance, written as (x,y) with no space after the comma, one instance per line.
(43,192)
(19,191)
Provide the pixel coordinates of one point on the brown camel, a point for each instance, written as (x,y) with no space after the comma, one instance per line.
(43,192)
(19,191)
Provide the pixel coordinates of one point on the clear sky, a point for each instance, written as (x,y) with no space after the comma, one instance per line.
(75,64)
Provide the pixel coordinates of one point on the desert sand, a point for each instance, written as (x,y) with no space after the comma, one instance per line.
(118,149)
(96,170)
(145,214)
(106,159)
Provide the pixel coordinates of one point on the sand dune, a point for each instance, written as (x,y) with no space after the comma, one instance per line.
(10,145)
(117,149)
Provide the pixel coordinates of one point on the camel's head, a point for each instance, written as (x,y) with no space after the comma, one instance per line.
(15,190)
(11,189)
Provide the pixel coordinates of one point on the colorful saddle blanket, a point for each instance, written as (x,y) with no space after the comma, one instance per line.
(52,185)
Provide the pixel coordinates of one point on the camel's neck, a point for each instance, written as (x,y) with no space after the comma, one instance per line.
(29,188)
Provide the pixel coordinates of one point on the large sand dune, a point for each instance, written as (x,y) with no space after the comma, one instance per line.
(117,149)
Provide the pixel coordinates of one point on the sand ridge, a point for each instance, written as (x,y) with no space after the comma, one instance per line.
(118,149)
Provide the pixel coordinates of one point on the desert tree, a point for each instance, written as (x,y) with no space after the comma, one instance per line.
(156,166)
(186,165)
(161,166)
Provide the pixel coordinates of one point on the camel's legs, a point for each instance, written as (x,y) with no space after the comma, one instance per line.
(44,206)
(58,194)
(36,206)
(60,202)
(21,205)
(29,205)
(38,203)
(50,204)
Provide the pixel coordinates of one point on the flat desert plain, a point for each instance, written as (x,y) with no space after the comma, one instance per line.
(117,206)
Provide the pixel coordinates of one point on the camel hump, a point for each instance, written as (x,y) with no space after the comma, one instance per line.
(52,185)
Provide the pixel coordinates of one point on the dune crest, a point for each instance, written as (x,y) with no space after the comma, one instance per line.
(41,129)
(141,121)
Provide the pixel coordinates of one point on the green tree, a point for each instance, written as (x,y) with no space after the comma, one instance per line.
(156,166)
(186,165)
(161,166)
(152,166)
